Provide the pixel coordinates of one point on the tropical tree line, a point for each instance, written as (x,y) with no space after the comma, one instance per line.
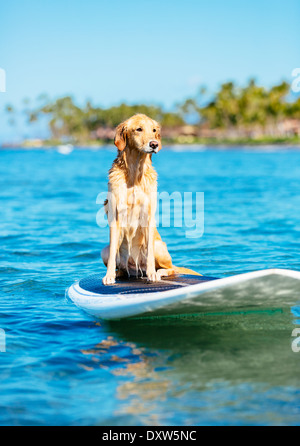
(232,110)
(243,109)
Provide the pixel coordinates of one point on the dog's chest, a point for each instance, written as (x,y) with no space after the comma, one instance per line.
(137,208)
(134,219)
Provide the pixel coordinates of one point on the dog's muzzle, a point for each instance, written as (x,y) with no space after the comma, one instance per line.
(153,146)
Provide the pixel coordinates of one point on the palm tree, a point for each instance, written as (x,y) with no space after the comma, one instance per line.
(276,106)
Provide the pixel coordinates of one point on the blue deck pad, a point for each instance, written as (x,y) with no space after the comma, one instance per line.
(131,285)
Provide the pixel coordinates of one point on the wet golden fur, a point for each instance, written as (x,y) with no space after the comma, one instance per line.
(135,245)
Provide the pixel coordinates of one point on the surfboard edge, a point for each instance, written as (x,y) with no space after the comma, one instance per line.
(118,306)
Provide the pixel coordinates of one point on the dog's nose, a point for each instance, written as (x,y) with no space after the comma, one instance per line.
(153,144)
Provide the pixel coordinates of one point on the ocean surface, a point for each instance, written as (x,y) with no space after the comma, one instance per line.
(62,367)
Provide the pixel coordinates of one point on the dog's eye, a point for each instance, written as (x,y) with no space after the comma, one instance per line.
(139,129)
(154,130)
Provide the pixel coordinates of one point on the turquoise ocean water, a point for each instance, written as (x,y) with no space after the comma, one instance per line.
(62,367)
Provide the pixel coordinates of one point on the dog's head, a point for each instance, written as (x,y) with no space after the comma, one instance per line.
(139,132)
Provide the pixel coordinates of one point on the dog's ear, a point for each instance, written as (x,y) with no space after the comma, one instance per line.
(120,137)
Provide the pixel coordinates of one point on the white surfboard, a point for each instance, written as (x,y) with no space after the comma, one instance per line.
(186,295)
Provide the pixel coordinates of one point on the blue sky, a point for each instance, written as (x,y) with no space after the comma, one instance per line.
(141,51)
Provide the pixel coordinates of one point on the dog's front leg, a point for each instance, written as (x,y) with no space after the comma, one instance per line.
(152,275)
(114,234)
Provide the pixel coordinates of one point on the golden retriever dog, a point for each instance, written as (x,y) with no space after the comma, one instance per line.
(135,247)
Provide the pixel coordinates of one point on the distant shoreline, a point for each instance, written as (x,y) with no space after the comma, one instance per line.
(188,142)
(68,148)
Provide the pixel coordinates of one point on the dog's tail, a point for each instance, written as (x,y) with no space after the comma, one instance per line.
(181,270)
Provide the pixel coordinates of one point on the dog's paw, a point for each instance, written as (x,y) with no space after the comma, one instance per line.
(153,276)
(109,279)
